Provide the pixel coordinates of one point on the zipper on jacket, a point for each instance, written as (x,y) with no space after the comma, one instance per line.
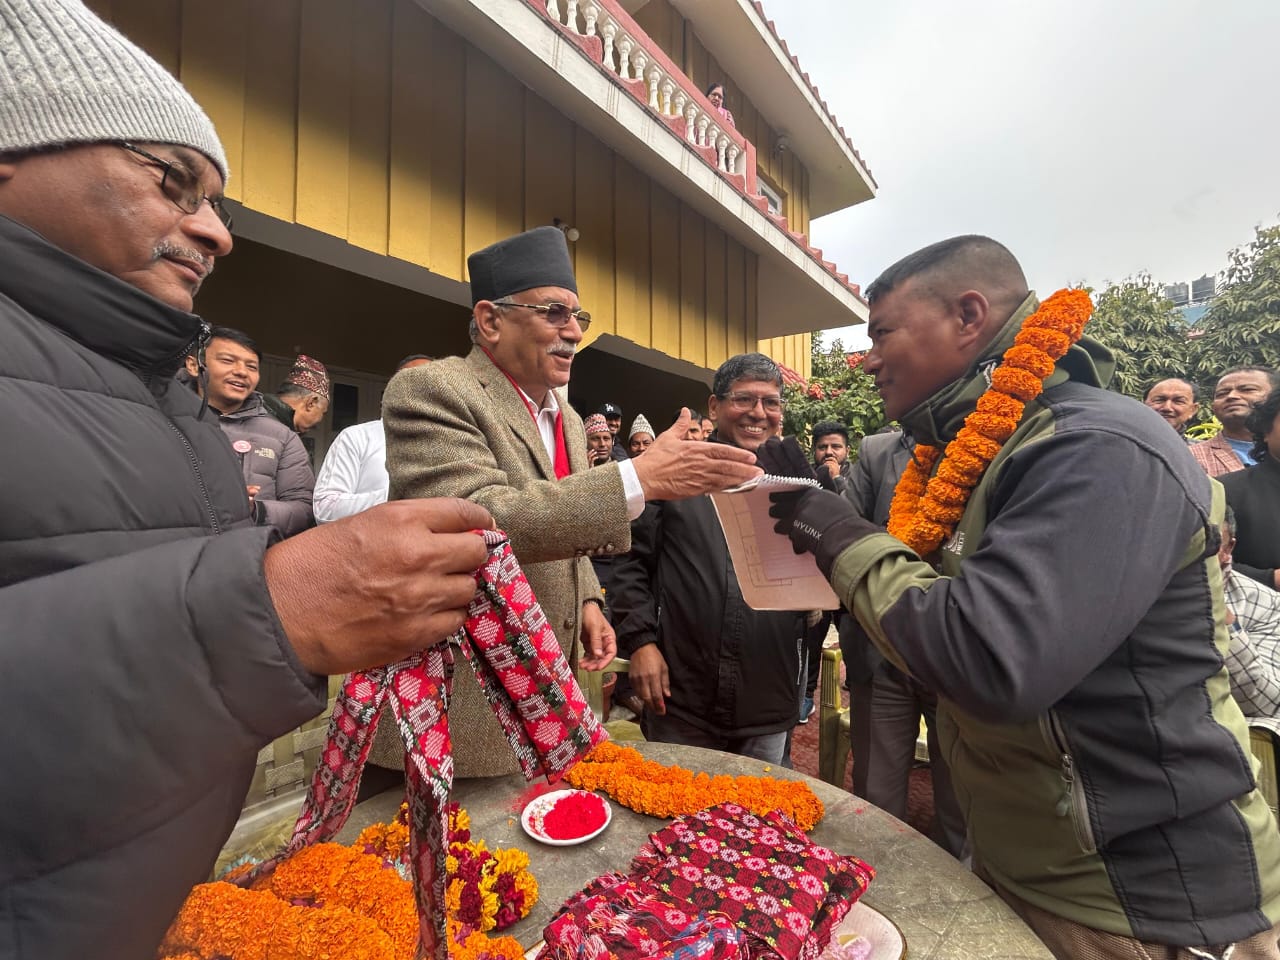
(195,468)
(1072,803)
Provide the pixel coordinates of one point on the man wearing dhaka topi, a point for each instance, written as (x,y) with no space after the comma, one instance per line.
(496,427)
(1050,571)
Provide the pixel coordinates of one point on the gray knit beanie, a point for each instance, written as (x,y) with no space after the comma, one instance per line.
(68,77)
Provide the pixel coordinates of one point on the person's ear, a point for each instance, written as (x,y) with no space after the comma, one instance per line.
(973,312)
(713,403)
(488,321)
(193,368)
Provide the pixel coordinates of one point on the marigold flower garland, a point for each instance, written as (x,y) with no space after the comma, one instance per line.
(351,902)
(647,786)
(926,507)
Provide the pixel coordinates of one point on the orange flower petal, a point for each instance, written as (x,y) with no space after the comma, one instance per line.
(1033,360)
(924,511)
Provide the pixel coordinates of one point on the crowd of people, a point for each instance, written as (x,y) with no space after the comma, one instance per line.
(1072,597)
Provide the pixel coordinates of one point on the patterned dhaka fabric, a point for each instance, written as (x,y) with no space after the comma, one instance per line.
(527,681)
(617,917)
(786,892)
(716,884)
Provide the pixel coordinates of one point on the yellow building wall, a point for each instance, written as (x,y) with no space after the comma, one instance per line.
(372,122)
(794,351)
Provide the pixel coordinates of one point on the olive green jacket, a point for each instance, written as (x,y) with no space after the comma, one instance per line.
(1074,632)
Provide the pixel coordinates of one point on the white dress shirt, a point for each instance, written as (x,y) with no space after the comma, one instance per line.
(353,476)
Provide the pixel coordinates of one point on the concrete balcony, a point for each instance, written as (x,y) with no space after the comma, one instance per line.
(591,60)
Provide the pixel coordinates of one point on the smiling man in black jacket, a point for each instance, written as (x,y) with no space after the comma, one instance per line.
(711,671)
(152,639)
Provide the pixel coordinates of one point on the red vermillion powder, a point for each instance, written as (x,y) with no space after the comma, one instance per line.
(574,815)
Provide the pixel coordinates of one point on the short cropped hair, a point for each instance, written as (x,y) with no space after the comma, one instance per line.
(236,336)
(1272,375)
(828,427)
(938,255)
(1195,391)
(745,366)
(410,358)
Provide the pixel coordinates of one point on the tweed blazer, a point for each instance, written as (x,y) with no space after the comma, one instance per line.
(458,428)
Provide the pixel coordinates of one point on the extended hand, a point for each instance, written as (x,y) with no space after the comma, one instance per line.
(820,522)
(599,645)
(782,457)
(372,589)
(674,468)
(649,677)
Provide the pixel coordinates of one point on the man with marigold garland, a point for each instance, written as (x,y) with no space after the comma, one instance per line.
(1053,576)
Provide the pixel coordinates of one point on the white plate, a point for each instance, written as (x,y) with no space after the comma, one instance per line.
(887,942)
(538,807)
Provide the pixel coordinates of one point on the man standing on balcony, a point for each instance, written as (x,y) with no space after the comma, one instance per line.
(496,427)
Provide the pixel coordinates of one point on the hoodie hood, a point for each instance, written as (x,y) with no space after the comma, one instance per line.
(936,421)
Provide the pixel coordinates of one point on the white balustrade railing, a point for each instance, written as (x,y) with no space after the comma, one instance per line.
(668,94)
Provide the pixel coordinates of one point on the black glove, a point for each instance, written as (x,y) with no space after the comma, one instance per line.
(782,457)
(821,522)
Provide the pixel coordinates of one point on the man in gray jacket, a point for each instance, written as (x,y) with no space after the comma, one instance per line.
(885,704)
(276,468)
(151,638)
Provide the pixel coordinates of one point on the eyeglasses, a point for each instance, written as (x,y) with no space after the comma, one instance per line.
(557,314)
(182,187)
(742,402)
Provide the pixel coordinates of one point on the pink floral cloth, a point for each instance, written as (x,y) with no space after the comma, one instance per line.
(617,917)
(786,892)
(720,883)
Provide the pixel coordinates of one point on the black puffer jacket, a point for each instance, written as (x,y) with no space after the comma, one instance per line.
(144,665)
(733,671)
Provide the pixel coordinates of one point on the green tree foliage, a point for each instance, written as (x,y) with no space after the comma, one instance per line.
(839,389)
(1144,330)
(1242,325)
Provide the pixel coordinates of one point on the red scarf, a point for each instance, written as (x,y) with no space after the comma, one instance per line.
(561,464)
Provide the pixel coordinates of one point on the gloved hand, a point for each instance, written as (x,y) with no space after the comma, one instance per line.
(821,522)
(782,457)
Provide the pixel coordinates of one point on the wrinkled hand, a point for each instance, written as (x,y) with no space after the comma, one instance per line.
(782,457)
(649,677)
(372,589)
(820,522)
(674,468)
(599,644)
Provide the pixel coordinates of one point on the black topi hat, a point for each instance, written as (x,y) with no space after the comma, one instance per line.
(535,258)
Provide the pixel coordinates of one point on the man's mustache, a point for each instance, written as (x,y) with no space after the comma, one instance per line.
(167,248)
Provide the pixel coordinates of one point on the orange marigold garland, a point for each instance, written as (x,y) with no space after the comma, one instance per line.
(647,786)
(351,902)
(925,511)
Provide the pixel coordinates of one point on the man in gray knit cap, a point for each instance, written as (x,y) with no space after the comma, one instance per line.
(153,638)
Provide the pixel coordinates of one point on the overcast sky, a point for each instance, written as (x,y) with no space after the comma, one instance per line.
(1095,139)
